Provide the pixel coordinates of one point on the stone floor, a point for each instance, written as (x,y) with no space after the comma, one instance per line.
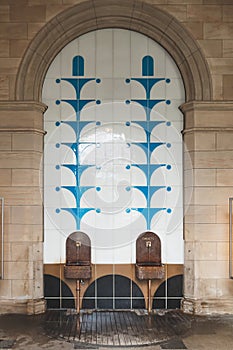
(121,330)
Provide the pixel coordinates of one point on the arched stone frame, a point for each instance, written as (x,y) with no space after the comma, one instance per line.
(126,14)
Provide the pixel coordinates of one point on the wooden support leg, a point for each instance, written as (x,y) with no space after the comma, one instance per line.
(149,297)
(78,296)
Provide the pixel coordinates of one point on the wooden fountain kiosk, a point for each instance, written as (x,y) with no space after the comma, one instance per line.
(148,261)
(78,260)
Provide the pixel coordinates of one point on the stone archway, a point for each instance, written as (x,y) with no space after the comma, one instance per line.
(91,15)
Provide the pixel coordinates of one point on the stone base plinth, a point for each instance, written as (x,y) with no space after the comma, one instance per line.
(35,307)
(207,306)
(29,307)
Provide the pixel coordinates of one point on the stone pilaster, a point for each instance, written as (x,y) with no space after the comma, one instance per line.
(21,186)
(208,169)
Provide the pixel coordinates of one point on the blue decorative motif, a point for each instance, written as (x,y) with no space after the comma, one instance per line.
(148,148)
(77,127)
(148,127)
(148,84)
(77,105)
(78,66)
(147,66)
(77,192)
(78,84)
(148,213)
(149,169)
(148,105)
(78,214)
(149,191)
(147,81)
(77,170)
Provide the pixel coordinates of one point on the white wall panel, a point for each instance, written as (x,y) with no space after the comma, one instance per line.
(100,176)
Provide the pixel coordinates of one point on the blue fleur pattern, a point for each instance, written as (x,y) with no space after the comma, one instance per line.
(147,81)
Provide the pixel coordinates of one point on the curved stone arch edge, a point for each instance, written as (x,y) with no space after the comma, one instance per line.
(148,20)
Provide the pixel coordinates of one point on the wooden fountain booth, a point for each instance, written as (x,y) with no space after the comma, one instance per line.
(148,260)
(78,260)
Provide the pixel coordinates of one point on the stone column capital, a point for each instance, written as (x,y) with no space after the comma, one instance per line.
(207,116)
(207,106)
(22,106)
(22,116)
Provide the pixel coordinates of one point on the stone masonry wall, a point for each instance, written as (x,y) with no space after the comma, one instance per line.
(209,22)
(208,135)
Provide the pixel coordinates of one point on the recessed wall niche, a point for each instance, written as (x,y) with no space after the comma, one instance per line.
(113,149)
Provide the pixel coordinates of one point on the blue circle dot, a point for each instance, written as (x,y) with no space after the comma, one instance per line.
(128,188)
(98,80)
(58,145)
(127,123)
(128,145)
(98,210)
(169,211)
(127,102)
(169,145)
(57,167)
(98,167)
(169,189)
(127,210)
(98,123)
(169,167)
(127,81)
(58,81)
(168,102)
(98,145)
(98,102)
(58,211)
(57,189)
(58,102)
(98,189)
(168,123)
(127,167)
(168,81)
(57,123)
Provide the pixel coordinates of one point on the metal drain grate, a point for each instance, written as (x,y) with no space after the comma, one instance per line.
(94,329)
(78,345)
(173,344)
